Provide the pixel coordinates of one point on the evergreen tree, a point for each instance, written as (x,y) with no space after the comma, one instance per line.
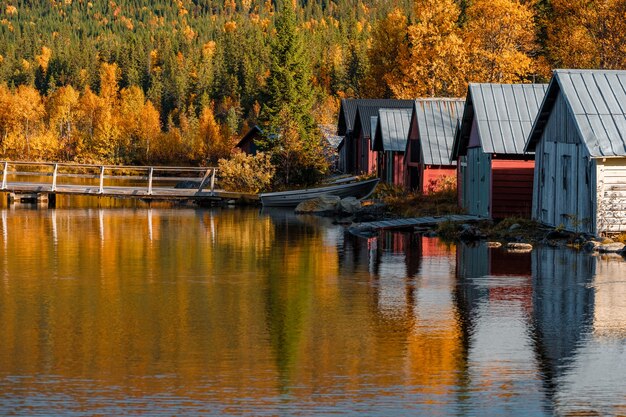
(287,115)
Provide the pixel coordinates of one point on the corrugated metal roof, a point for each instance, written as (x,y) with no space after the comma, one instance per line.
(504,115)
(373,127)
(392,130)
(348,109)
(436,123)
(597,100)
(362,122)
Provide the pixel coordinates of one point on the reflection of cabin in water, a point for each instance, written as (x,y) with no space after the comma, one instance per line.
(431,134)
(579,140)
(609,311)
(495,175)
(562,302)
(479,261)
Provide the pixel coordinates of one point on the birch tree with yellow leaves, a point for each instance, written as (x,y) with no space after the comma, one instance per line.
(501,41)
(587,34)
(435,62)
(389,41)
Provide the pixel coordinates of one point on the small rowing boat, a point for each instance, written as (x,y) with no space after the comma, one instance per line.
(342,189)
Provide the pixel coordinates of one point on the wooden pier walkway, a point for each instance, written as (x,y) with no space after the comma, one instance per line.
(413,222)
(43,179)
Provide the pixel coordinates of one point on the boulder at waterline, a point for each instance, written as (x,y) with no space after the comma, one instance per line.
(325,204)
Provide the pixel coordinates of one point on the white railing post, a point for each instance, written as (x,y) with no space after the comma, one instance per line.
(151,171)
(4,175)
(54,177)
(213,180)
(101,189)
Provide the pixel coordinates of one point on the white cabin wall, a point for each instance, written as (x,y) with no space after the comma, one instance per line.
(611,195)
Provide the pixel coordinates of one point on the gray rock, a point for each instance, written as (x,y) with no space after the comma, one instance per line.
(615,247)
(349,205)
(514,227)
(363,231)
(591,246)
(326,204)
(521,247)
(470,233)
(345,221)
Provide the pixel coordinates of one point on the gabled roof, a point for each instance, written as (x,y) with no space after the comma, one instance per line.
(348,108)
(436,122)
(597,101)
(362,121)
(251,134)
(392,130)
(373,127)
(504,115)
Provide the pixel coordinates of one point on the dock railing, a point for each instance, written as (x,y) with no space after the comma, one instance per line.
(139,177)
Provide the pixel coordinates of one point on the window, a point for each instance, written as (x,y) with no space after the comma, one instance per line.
(566,161)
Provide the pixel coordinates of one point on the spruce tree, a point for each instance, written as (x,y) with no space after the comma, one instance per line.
(289,127)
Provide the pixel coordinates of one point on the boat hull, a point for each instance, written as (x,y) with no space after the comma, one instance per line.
(359,190)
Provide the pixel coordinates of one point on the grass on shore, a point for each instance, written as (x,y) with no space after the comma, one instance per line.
(414,204)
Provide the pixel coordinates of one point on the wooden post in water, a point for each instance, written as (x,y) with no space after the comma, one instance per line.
(101,190)
(213,180)
(4,175)
(150,172)
(54,177)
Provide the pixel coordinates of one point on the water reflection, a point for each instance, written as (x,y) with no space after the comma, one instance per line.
(211,312)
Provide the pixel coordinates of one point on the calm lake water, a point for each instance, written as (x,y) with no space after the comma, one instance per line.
(239,312)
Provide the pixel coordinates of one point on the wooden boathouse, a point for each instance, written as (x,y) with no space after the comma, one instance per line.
(391,132)
(430,137)
(579,140)
(346,123)
(247,143)
(495,174)
(366,159)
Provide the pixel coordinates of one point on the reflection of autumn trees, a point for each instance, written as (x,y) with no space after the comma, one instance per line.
(215,305)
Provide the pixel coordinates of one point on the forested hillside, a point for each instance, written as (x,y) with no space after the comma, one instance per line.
(178,80)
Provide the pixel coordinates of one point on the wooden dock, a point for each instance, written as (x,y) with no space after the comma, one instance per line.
(42,181)
(413,222)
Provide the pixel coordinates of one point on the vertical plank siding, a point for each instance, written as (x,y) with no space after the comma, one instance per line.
(478,182)
(564,189)
(461,179)
(512,188)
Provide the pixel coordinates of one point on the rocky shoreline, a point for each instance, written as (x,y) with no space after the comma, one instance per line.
(519,235)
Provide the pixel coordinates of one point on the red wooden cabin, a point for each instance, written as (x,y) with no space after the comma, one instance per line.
(353,148)
(392,127)
(495,175)
(430,138)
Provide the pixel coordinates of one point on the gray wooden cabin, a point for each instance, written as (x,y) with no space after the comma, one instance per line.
(495,175)
(579,140)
